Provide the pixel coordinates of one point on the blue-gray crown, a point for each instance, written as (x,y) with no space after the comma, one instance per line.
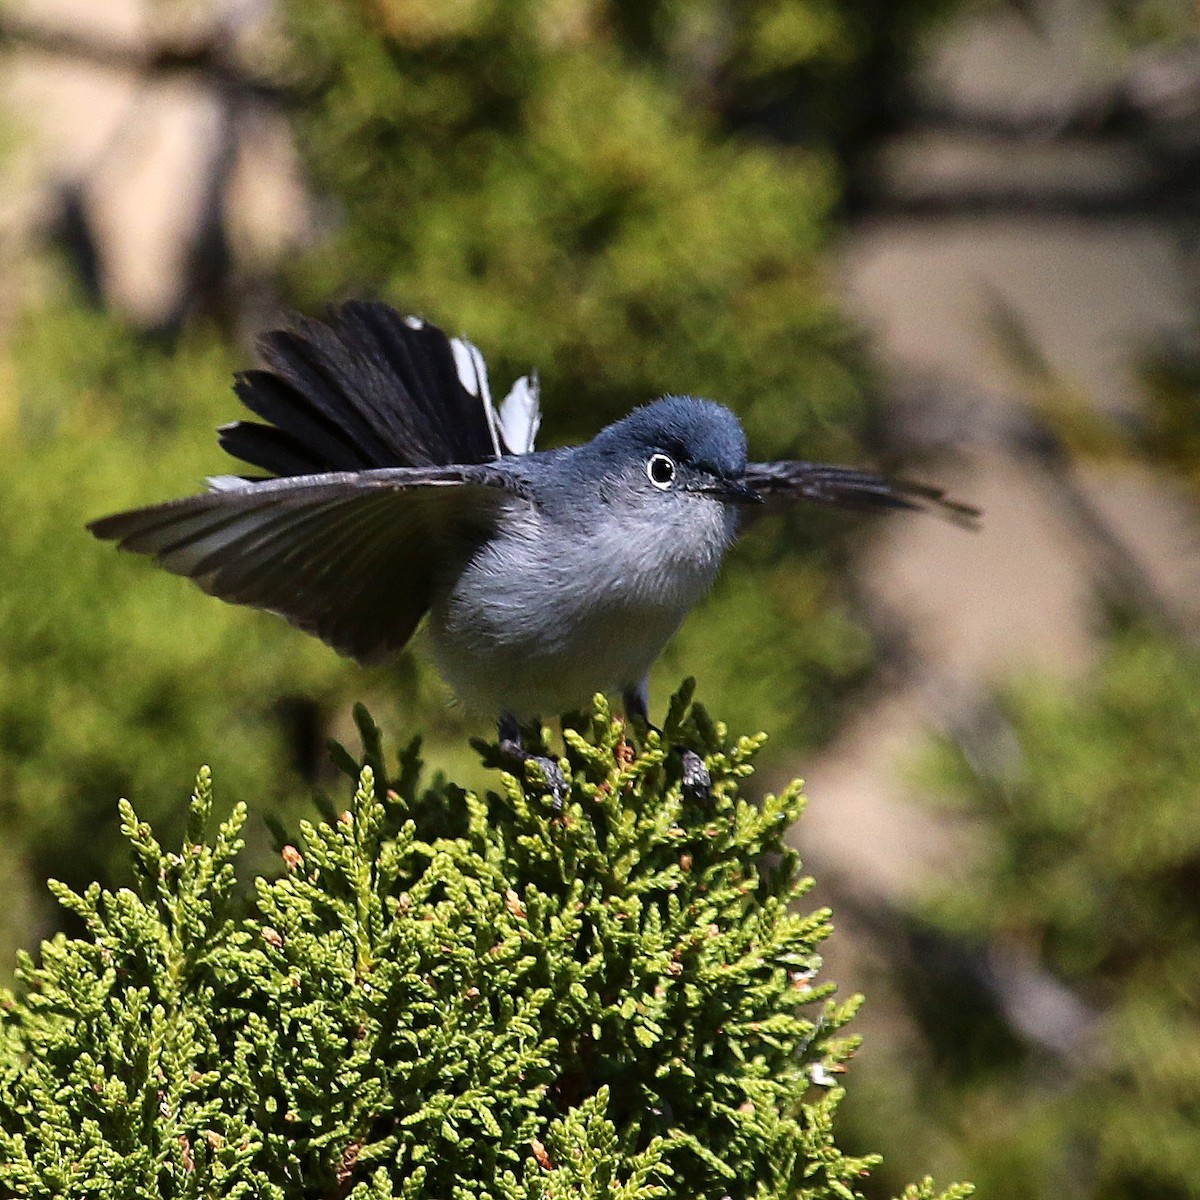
(699,433)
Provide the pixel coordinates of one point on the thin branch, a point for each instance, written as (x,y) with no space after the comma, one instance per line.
(208,55)
(1173,197)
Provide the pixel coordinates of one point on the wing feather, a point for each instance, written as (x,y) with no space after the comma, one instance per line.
(849,487)
(353,558)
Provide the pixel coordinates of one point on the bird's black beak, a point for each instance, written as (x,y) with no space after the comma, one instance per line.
(733,491)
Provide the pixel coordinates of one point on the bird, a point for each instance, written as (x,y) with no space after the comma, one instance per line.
(395,492)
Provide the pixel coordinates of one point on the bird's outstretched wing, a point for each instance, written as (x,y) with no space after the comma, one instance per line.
(353,558)
(368,388)
(848,487)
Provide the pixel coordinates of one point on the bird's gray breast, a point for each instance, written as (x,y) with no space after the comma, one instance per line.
(548,612)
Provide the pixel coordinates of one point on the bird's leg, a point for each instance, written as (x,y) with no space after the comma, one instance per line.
(693,774)
(512,750)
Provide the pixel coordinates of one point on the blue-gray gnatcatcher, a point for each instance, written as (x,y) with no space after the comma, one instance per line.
(399,491)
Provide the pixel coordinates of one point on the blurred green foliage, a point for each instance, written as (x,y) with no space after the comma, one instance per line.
(592,189)
(589,188)
(1153,23)
(113,678)
(1074,1070)
(561,181)
(1170,435)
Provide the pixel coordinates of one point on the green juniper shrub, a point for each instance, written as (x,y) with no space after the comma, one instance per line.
(446,994)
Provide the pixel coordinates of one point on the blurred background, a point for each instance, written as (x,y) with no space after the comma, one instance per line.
(956,238)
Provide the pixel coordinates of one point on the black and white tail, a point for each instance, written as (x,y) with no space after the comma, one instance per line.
(369,388)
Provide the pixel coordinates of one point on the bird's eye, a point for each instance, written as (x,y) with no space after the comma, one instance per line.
(661,471)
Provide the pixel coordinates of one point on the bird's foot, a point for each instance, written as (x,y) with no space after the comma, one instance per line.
(552,777)
(693,776)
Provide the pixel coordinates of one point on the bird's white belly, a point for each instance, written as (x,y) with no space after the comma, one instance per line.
(531,677)
(523,632)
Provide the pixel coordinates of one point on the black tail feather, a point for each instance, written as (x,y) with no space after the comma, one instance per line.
(367,388)
(338,379)
(271,449)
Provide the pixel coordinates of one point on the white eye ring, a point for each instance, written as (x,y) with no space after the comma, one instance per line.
(660,470)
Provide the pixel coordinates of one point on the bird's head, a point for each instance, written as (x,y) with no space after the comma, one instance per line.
(679,447)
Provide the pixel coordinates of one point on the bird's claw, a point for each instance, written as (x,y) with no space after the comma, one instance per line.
(553,779)
(693,776)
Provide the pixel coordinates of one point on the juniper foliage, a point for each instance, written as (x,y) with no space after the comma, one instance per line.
(447,994)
